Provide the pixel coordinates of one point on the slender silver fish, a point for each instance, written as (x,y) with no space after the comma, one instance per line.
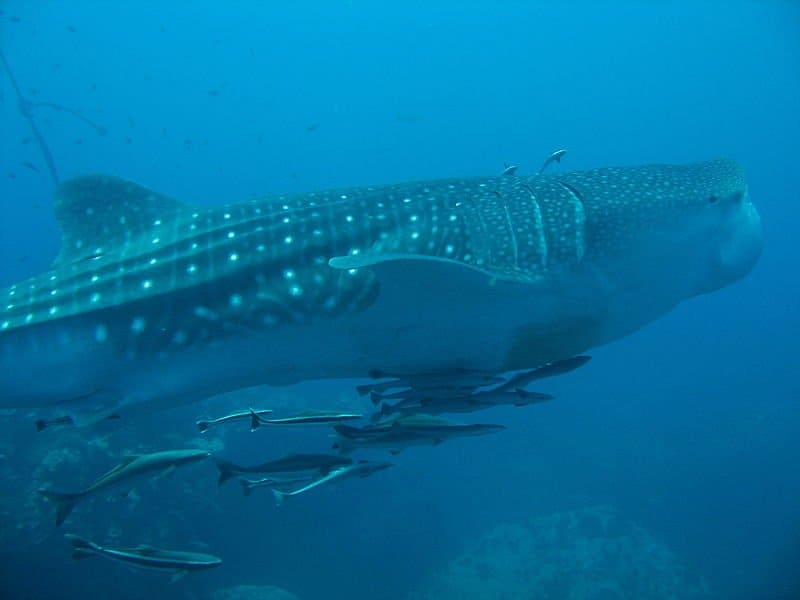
(399,433)
(130,470)
(559,367)
(554,157)
(412,393)
(313,417)
(362,468)
(300,464)
(251,415)
(145,557)
(461,404)
(444,379)
(509,169)
(248,485)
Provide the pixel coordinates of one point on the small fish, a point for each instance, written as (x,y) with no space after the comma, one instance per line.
(448,378)
(559,367)
(42,424)
(407,431)
(462,404)
(83,416)
(395,440)
(312,127)
(31,166)
(248,485)
(298,464)
(253,416)
(213,92)
(145,557)
(71,29)
(411,393)
(313,417)
(509,169)
(131,469)
(362,468)
(517,397)
(554,157)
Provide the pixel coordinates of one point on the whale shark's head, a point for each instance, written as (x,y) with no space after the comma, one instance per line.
(691,228)
(722,228)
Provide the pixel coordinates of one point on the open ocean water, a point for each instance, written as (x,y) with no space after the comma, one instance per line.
(665,468)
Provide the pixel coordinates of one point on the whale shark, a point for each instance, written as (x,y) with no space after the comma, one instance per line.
(153,302)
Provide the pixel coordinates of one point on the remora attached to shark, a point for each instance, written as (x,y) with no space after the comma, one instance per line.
(151,300)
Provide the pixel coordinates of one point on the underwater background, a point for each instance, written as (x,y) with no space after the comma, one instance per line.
(665,468)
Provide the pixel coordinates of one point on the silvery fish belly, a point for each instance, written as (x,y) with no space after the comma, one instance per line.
(151,300)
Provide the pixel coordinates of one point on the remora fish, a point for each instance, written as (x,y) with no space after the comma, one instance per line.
(417,394)
(145,557)
(407,431)
(248,485)
(520,380)
(431,392)
(313,417)
(445,379)
(153,302)
(443,400)
(253,416)
(463,404)
(362,468)
(553,157)
(127,472)
(292,463)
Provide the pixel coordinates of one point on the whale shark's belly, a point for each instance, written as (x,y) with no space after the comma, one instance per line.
(418,323)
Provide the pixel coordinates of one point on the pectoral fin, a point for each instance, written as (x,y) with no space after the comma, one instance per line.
(177,575)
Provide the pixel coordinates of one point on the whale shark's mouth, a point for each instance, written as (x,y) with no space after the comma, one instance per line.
(741,248)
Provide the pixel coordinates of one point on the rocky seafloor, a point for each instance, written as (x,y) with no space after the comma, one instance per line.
(252,592)
(588,554)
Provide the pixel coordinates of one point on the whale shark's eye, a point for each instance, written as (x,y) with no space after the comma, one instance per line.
(712,199)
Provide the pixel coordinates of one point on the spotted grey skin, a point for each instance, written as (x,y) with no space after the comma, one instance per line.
(152,300)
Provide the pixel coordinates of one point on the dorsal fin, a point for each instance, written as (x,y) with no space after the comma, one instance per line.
(98,213)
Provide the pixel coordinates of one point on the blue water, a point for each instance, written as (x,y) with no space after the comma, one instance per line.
(689,427)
